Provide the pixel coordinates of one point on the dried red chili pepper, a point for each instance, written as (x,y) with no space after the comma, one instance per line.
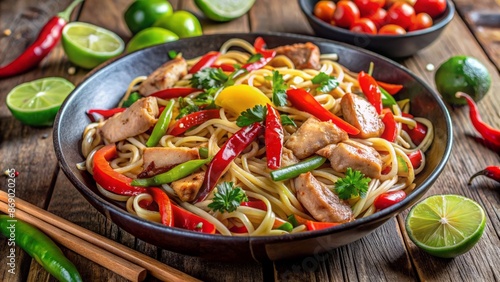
(46,41)
(492,172)
(491,135)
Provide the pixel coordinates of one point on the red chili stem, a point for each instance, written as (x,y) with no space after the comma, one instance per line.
(492,172)
(490,134)
(46,41)
(230,150)
(273,138)
(193,119)
(177,92)
(371,90)
(206,61)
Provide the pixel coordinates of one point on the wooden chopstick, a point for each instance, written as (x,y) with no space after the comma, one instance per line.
(156,268)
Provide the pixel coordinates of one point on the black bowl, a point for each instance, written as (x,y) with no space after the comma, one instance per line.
(104,88)
(392,46)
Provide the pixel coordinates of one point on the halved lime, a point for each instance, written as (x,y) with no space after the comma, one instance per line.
(88,45)
(224,10)
(36,102)
(446,225)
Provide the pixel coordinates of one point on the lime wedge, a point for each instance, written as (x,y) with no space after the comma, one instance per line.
(88,45)
(224,10)
(36,102)
(446,225)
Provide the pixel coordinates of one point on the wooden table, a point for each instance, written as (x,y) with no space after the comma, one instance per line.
(384,255)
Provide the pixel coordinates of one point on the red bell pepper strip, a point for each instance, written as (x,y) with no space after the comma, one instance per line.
(190,221)
(302,100)
(260,47)
(164,205)
(224,67)
(258,204)
(311,225)
(193,119)
(371,90)
(490,134)
(46,41)
(388,199)
(176,92)
(492,172)
(230,150)
(391,130)
(418,133)
(109,179)
(392,89)
(206,61)
(273,138)
(267,55)
(416,158)
(104,113)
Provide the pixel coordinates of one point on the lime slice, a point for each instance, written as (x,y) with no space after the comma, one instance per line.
(87,45)
(446,225)
(36,102)
(224,10)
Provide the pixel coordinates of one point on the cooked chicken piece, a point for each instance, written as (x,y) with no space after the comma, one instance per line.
(161,159)
(288,158)
(313,135)
(358,157)
(187,188)
(303,55)
(362,115)
(164,77)
(319,201)
(136,119)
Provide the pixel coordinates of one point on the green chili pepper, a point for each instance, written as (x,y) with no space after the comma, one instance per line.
(387,99)
(297,169)
(176,173)
(134,96)
(40,247)
(203,151)
(287,226)
(161,125)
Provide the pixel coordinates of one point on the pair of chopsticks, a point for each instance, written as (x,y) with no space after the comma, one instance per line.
(124,261)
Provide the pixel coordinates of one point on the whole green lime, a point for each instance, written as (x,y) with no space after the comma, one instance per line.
(465,74)
(142,14)
(149,37)
(182,23)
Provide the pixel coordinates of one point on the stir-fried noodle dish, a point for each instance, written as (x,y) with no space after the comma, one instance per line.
(249,140)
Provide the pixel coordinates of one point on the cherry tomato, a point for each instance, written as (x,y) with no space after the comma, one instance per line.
(388,199)
(391,29)
(420,21)
(364,25)
(432,7)
(345,14)
(378,18)
(324,10)
(369,7)
(401,13)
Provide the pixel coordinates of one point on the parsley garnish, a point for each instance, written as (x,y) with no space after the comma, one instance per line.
(326,82)
(279,90)
(352,185)
(208,78)
(250,116)
(227,198)
(286,120)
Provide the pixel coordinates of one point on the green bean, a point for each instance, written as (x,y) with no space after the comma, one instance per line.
(176,173)
(297,169)
(161,125)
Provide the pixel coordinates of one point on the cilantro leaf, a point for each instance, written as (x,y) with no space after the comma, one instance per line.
(202,101)
(279,90)
(250,116)
(208,78)
(286,120)
(227,198)
(172,54)
(326,83)
(352,185)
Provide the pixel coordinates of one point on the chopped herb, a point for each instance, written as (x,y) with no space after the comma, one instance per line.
(209,78)
(250,116)
(172,54)
(279,90)
(286,120)
(254,58)
(352,185)
(190,105)
(326,83)
(227,198)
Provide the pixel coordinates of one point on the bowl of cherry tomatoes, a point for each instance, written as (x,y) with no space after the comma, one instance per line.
(393,28)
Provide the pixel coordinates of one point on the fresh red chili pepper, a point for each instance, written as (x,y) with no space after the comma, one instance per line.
(302,100)
(388,199)
(273,138)
(224,67)
(104,113)
(392,89)
(370,89)
(418,133)
(190,221)
(492,172)
(193,119)
(109,179)
(267,55)
(46,41)
(206,61)
(391,130)
(490,134)
(176,92)
(164,205)
(230,150)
